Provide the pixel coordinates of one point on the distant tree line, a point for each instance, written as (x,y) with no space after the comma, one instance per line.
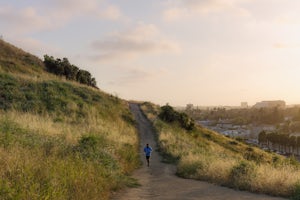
(168,114)
(283,142)
(62,67)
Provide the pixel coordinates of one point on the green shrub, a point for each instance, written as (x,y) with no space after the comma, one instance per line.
(189,169)
(253,156)
(168,114)
(88,143)
(296,193)
(242,175)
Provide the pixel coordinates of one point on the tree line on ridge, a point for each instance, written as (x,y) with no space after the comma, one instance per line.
(62,67)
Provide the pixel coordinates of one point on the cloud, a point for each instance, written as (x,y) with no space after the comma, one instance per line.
(111,12)
(285,45)
(24,20)
(190,8)
(141,40)
(288,20)
(135,75)
(53,14)
(280,45)
(132,76)
(71,8)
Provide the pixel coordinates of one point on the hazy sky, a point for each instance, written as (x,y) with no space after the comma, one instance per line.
(205,52)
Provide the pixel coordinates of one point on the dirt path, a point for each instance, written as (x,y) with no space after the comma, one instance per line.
(160,182)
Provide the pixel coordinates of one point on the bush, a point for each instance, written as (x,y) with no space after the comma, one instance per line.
(186,122)
(168,114)
(296,193)
(189,169)
(242,175)
(88,142)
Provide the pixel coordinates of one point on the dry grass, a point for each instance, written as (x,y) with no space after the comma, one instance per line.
(276,181)
(42,164)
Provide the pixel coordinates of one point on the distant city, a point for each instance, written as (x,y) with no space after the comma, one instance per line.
(248,122)
(262,104)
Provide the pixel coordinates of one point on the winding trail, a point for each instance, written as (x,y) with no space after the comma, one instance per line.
(160,182)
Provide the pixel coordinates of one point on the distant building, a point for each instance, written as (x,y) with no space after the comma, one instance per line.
(244,104)
(189,106)
(270,104)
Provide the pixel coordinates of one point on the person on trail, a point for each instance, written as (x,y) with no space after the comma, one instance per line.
(148,151)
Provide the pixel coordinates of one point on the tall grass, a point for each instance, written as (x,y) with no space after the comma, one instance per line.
(62,140)
(205,155)
(43,159)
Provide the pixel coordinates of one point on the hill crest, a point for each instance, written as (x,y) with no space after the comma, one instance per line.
(16,60)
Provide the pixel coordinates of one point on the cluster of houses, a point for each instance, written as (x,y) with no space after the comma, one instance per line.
(244,131)
(249,132)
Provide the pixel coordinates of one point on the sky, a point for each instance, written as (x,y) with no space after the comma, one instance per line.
(204,52)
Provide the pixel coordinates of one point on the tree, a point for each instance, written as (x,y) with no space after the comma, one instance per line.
(84,77)
(262,137)
(50,63)
(298,144)
(71,72)
(284,140)
(168,114)
(295,126)
(186,122)
(293,143)
(68,68)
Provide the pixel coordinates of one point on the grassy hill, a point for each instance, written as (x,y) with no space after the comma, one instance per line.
(60,139)
(206,155)
(13,59)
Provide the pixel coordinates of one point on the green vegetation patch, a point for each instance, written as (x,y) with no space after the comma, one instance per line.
(56,98)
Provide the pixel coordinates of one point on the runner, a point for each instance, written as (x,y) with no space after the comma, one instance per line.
(148,151)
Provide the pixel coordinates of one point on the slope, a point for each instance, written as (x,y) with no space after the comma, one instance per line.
(13,59)
(60,139)
(208,156)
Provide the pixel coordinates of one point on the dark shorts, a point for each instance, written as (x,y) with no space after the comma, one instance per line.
(147,157)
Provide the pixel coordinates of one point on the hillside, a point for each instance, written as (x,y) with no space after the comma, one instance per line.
(205,155)
(13,59)
(60,139)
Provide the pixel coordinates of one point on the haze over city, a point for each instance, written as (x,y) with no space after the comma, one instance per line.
(205,52)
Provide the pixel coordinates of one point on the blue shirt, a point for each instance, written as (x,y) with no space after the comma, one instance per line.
(148,151)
